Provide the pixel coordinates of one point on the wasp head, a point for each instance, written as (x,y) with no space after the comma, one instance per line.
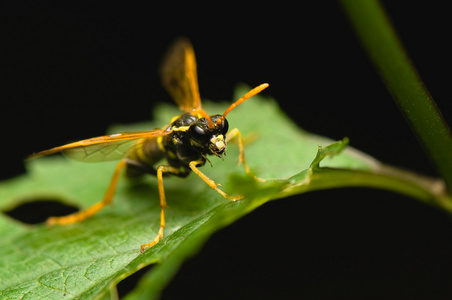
(211,139)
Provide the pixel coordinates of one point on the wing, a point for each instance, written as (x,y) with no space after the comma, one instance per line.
(104,148)
(178,72)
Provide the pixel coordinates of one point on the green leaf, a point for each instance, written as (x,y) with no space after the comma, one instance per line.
(330,150)
(86,260)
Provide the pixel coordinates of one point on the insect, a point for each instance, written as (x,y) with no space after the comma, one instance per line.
(184,144)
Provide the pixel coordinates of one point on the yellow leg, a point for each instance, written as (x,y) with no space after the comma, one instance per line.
(84,214)
(160,171)
(236,133)
(169,169)
(210,182)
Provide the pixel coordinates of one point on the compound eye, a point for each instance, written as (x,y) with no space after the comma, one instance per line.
(198,134)
(224,126)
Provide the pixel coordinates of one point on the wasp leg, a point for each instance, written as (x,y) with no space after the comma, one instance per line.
(210,182)
(84,214)
(236,133)
(160,171)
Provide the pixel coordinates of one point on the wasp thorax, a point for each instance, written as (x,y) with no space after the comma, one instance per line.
(210,137)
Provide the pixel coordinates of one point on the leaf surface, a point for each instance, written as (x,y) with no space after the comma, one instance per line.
(85,260)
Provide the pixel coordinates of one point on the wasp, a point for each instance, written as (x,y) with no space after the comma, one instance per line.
(184,144)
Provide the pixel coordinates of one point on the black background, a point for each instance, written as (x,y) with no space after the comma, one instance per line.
(71,68)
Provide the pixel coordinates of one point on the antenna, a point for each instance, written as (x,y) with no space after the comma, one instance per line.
(248,95)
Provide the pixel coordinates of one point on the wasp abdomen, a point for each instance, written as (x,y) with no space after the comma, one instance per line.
(143,158)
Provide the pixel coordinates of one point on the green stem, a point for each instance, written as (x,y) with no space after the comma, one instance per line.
(403,82)
(427,190)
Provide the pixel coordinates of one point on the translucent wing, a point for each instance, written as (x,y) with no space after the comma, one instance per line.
(179,77)
(108,151)
(104,148)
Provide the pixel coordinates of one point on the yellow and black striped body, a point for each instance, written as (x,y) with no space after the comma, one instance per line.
(180,147)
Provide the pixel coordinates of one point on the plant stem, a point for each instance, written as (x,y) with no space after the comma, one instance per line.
(427,190)
(403,82)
